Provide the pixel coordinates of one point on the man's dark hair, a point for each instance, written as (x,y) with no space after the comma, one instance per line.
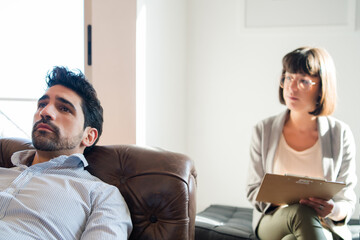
(90,104)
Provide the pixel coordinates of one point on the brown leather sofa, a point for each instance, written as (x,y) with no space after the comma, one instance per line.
(159,186)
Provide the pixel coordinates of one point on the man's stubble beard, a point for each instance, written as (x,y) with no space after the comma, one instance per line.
(52,141)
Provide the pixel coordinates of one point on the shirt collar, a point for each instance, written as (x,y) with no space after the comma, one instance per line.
(26,157)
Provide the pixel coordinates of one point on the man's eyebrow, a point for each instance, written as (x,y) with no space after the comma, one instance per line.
(43,98)
(63,100)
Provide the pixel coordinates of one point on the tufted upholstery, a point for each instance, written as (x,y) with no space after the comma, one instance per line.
(159,186)
(224,222)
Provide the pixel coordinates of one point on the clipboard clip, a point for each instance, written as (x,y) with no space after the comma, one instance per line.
(304,181)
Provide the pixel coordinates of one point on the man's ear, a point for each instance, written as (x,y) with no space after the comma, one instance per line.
(90,136)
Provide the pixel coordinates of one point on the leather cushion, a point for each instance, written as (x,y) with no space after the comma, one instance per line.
(224,222)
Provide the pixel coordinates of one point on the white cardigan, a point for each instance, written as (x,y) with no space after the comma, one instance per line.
(338,150)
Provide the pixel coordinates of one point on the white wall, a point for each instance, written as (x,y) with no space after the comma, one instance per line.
(229,81)
(165,72)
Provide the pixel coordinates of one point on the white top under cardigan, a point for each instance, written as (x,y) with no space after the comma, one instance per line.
(289,161)
(338,161)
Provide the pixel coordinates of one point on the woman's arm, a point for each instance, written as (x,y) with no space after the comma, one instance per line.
(256,169)
(341,207)
(345,200)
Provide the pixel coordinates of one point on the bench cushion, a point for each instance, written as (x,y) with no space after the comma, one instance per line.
(224,222)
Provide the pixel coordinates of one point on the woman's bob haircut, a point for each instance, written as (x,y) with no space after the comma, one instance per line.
(316,62)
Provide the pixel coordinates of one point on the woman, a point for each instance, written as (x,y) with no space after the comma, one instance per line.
(304,140)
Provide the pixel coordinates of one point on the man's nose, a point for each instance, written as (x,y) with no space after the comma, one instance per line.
(48,112)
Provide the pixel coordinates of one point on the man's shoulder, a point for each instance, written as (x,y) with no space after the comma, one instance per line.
(99,184)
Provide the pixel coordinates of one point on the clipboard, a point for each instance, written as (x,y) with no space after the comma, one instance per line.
(288,189)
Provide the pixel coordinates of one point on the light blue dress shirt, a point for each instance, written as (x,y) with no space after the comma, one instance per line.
(59,199)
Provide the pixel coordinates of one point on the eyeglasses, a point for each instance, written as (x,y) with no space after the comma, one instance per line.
(302,84)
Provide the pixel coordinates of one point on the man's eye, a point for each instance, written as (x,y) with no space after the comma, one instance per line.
(64,109)
(41,105)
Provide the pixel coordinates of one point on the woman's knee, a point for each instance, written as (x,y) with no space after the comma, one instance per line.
(301,215)
(289,237)
(301,211)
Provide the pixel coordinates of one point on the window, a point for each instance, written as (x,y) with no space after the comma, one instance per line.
(35,36)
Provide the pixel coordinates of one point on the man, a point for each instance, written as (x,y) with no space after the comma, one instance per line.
(49,194)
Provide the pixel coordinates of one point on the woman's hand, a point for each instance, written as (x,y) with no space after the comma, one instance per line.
(321,206)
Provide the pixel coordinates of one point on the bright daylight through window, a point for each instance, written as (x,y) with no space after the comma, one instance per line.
(35,37)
